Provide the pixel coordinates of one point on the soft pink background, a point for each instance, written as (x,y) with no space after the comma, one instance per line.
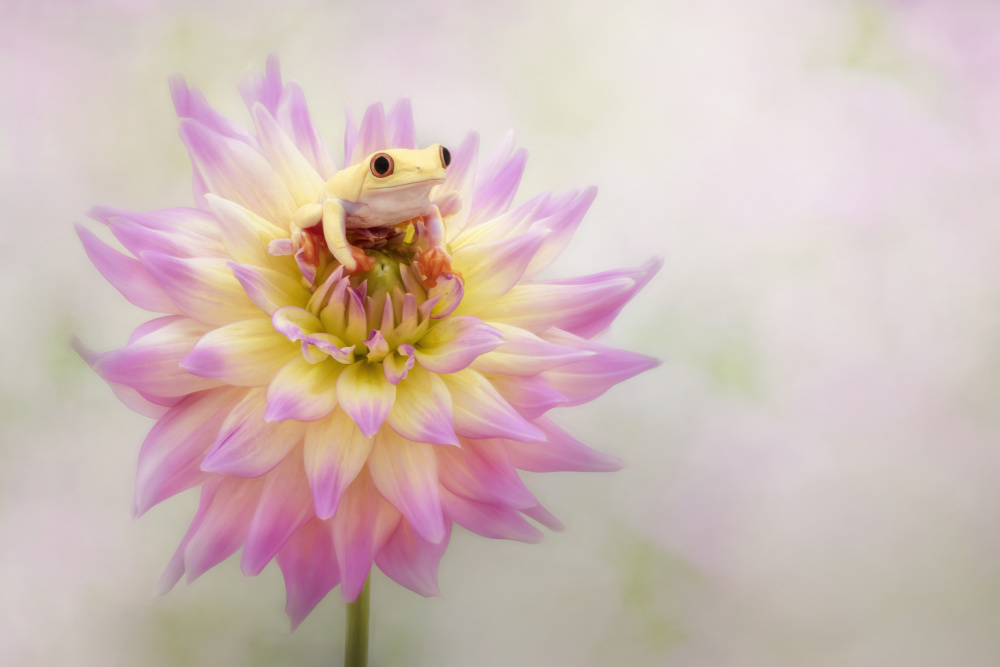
(813,472)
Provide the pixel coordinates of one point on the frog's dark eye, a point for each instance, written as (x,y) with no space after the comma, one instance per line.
(382,165)
(445,157)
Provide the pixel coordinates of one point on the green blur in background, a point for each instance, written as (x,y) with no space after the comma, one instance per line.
(812,473)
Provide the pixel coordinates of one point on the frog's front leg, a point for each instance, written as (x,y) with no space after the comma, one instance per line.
(335,232)
(435,261)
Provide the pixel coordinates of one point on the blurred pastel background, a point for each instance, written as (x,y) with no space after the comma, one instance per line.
(812,474)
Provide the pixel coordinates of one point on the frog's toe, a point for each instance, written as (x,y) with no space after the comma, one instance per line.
(360,260)
(432,264)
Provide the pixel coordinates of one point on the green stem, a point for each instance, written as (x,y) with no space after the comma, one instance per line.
(356,649)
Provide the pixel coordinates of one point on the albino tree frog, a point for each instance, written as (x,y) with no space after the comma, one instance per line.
(388,188)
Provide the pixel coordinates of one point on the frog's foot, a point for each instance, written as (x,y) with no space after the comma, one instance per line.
(359,262)
(432,264)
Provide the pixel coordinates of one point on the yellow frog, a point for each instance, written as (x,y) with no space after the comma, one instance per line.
(388,188)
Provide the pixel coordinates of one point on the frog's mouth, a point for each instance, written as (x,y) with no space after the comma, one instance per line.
(429,183)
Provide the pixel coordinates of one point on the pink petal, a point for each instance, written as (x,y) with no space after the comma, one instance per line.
(371,135)
(491,269)
(247,353)
(175,568)
(309,565)
(478,410)
(585,380)
(399,124)
(412,561)
(224,526)
(422,410)
(467,472)
(489,520)
(454,343)
(266,88)
(270,289)
(204,289)
(559,452)
(524,354)
(335,452)
(285,506)
(532,397)
(302,391)
(126,274)
(293,115)
(561,227)
(191,103)
(365,395)
(249,446)
(449,291)
(151,363)
(398,364)
(405,474)
(460,178)
(235,171)
(495,192)
(361,527)
(300,177)
(175,242)
(170,457)
(583,306)
(247,236)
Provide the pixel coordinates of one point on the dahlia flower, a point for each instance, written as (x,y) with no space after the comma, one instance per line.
(332,418)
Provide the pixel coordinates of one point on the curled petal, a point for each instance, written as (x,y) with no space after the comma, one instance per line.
(454,343)
(246,353)
(335,452)
(331,345)
(285,505)
(126,274)
(303,391)
(405,473)
(422,411)
(449,291)
(411,561)
(479,411)
(247,445)
(204,289)
(398,364)
(365,395)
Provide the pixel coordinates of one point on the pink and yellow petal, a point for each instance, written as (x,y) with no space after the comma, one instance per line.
(405,474)
(247,353)
(335,452)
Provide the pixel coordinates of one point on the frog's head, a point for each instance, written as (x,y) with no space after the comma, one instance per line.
(406,168)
